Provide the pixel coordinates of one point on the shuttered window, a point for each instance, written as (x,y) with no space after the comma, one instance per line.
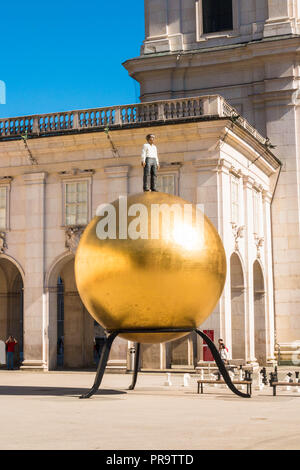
(166,184)
(76,203)
(3,208)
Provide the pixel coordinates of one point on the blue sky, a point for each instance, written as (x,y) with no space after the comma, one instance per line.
(63,55)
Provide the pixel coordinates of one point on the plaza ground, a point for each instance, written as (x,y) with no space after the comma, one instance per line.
(42,411)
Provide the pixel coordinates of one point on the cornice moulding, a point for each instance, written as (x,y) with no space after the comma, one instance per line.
(273,96)
(117,171)
(248,182)
(267,196)
(170,167)
(257,187)
(214,56)
(235,172)
(245,143)
(76,173)
(35,178)
(206,163)
(6,180)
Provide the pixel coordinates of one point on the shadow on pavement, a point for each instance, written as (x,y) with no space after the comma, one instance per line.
(53,391)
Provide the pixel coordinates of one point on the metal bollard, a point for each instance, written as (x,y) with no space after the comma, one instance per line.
(132,352)
(186,380)
(168,382)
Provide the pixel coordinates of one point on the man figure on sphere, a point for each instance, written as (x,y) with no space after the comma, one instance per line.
(150,164)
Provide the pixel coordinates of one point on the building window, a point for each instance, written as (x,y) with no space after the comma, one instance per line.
(76,203)
(256,212)
(3,207)
(217,15)
(166,184)
(234,200)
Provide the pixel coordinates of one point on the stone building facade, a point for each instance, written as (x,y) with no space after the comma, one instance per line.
(55,170)
(248,52)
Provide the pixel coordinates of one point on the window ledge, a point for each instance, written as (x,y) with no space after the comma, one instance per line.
(207,36)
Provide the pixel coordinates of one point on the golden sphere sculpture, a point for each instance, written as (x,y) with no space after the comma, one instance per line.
(151,260)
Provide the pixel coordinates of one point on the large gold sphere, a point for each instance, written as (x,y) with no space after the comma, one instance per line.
(173,281)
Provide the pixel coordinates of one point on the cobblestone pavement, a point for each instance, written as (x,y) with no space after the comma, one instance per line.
(42,411)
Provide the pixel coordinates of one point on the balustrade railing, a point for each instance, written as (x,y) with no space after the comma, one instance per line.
(126,115)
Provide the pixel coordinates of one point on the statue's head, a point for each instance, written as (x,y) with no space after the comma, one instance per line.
(150,138)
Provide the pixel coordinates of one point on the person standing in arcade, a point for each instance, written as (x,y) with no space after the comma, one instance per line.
(11,342)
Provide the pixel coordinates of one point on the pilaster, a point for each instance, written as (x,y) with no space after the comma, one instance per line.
(35,331)
(249,292)
(117,180)
(281,18)
(223,176)
(117,186)
(269,287)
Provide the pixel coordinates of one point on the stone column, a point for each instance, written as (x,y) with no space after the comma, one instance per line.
(117,181)
(117,185)
(281,18)
(212,188)
(51,303)
(269,285)
(249,260)
(223,213)
(156,26)
(174,24)
(34,303)
(283,117)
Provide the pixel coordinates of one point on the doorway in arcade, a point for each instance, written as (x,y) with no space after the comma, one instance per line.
(11,305)
(79,337)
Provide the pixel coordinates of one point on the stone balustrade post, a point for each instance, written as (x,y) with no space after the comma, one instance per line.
(75,120)
(212,106)
(35,125)
(118,120)
(161,112)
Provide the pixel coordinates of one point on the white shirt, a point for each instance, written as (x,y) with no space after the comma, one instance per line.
(224,354)
(149,151)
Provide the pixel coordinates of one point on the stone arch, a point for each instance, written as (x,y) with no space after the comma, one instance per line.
(238,331)
(11,303)
(78,337)
(259,313)
(16,263)
(53,271)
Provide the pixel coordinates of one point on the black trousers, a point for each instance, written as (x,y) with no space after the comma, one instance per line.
(150,174)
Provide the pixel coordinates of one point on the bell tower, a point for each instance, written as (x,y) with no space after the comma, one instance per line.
(186,25)
(248,52)
(183,35)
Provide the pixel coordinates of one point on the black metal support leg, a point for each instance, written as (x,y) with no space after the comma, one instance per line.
(113,334)
(221,365)
(136,366)
(102,365)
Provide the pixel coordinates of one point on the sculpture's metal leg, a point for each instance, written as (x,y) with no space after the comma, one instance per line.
(102,365)
(221,365)
(136,366)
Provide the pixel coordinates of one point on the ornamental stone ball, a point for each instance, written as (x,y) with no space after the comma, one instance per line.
(151,260)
